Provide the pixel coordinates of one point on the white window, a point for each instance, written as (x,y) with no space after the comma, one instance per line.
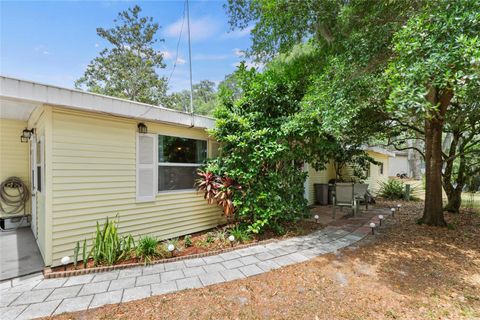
(381,168)
(178,161)
(146,167)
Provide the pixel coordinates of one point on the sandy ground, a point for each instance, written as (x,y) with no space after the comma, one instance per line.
(407,271)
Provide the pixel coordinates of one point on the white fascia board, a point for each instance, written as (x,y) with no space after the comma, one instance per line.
(381,151)
(75,99)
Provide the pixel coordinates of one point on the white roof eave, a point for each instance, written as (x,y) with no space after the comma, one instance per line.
(33,92)
(381,151)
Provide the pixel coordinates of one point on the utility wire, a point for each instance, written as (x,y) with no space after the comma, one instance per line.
(176,57)
(178,44)
(190,60)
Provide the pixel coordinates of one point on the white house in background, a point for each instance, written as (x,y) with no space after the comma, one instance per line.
(399,164)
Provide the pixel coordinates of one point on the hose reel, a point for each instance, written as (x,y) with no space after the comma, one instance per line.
(14,195)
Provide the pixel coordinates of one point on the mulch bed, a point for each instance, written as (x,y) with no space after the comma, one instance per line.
(407,271)
(200,245)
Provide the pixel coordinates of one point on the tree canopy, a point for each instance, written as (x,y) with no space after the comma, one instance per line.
(127,68)
(385,70)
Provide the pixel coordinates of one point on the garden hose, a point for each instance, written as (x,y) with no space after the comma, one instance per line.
(14,195)
(15,201)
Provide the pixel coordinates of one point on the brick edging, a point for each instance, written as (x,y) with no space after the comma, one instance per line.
(49,274)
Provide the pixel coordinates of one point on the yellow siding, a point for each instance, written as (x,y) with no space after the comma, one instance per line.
(375,179)
(14,155)
(94,174)
(318,177)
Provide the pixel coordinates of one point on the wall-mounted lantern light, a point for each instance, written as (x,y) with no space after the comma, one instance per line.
(142,128)
(26,135)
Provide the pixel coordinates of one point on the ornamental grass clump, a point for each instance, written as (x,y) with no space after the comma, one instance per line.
(392,189)
(147,248)
(108,246)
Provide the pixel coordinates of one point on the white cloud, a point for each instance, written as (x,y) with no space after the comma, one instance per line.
(238,53)
(201,28)
(237,33)
(97,45)
(180,61)
(42,49)
(167,54)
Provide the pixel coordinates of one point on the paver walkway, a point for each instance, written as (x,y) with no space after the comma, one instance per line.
(33,296)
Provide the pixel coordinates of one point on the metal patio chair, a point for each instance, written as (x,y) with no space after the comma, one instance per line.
(344,196)
(361,193)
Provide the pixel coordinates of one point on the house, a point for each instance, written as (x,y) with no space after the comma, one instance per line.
(90,156)
(400,164)
(87,160)
(376,174)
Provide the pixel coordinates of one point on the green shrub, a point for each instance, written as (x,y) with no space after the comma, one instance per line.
(279,230)
(187,241)
(108,246)
(147,248)
(392,189)
(241,234)
(210,237)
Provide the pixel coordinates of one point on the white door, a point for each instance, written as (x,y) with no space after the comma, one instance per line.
(33,180)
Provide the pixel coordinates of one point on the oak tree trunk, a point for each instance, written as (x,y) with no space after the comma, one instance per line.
(433,209)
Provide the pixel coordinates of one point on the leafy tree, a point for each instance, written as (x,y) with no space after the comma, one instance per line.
(260,145)
(437,58)
(205,99)
(127,69)
(386,67)
(462,150)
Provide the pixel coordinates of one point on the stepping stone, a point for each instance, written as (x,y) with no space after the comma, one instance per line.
(101,299)
(96,287)
(74,304)
(148,279)
(163,288)
(136,293)
(105,276)
(37,310)
(11,313)
(7,298)
(211,278)
(66,292)
(251,270)
(33,296)
(189,283)
(122,284)
(230,275)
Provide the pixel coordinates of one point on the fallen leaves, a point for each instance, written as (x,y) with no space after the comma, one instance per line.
(407,271)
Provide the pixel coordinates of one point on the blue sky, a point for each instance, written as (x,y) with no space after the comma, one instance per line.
(53,41)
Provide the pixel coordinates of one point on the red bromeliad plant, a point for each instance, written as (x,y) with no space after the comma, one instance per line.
(224,195)
(207,183)
(218,189)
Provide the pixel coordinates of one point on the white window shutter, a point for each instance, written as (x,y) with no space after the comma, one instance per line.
(146,167)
